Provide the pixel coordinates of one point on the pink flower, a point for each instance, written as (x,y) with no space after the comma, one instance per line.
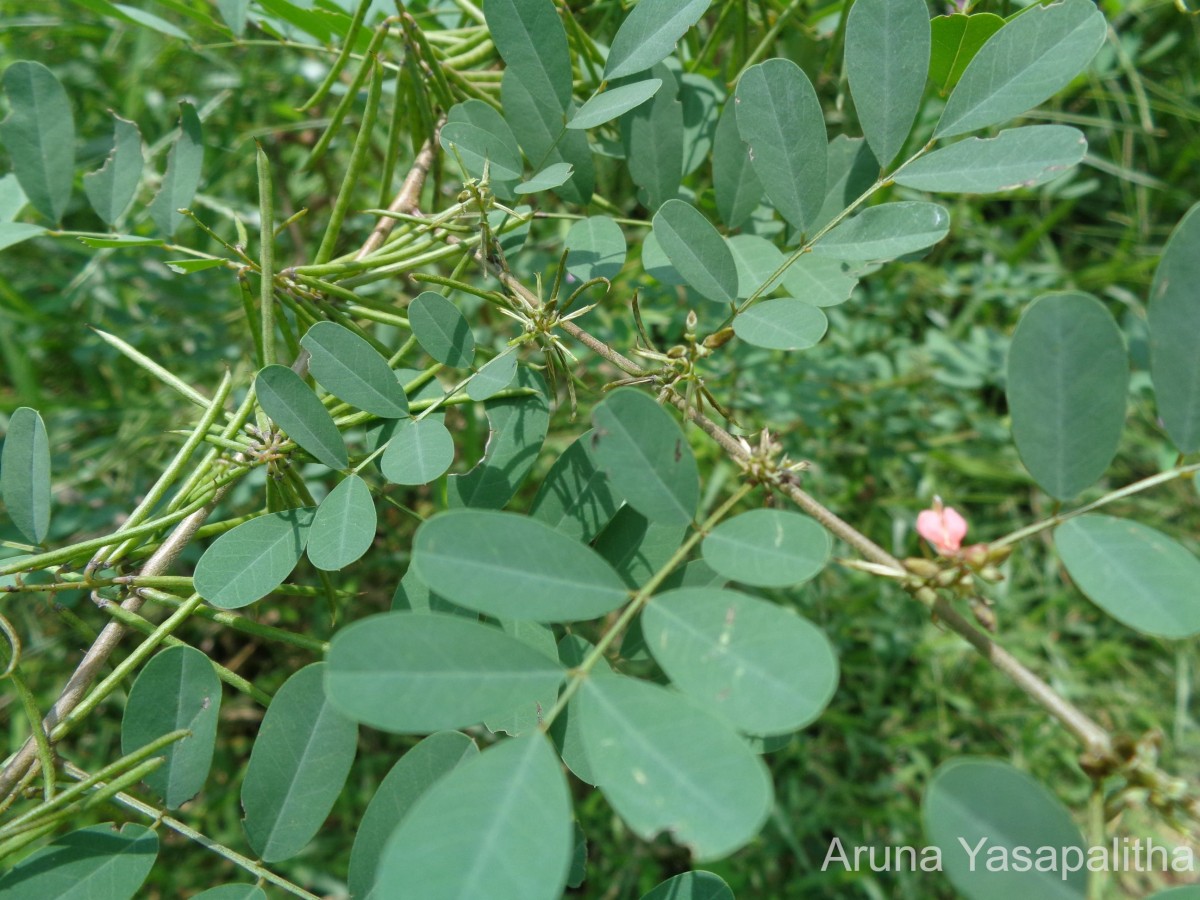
(943,527)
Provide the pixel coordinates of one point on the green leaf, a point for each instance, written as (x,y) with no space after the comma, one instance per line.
(637,547)
(691,886)
(886,231)
(780,118)
(531,40)
(517,427)
(597,247)
(987,804)
(477,146)
(781,324)
(493,377)
(956,40)
(1174,323)
(1020,157)
(539,127)
(121,241)
(654,754)
(351,369)
(39,135)
(12,233)
(12,198)
(697,250)
(188,266)
(887,60)
(760,666)
(233,12)
(1138,575)
(343,527)
(414,673)
(178,688)
(1029,60)
(701,96)
(111,188)
(293,406)
(182,176)
(94,862)
(441,330)
(820,281)
(852,171)
(653,138)
(526,717)
(1068,376)
(25,474)
(511,566)
(756,260)
(610,104)
(419,452)
(656,264)
(574,498)
(151,21)
(232,892)
(300,760)
(411,777)
(649,33)
(554,175)
(248,562)
(768,548)
(413,595)
(498,826)
(646,457)
(738,190)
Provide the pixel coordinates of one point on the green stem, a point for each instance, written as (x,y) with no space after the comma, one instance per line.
(45,753)
(266,232)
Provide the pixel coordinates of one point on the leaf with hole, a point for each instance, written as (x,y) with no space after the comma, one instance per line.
(646,457)
(887,60)
(768,548)
(1068,376)
(182,177)
(25,474)
(781,324)
(414,673)
(1136,574)
(343,527)
(780,118)
(886,231)
(412,776)
(441,330)
(298,765)
(1029,60)
(760,666)
(178,688)
(515,567)
(39,135)
(608,105)
(655,754)
(955,41)
(351,369)
(293,406)
(463,837)
(1174,316)
(1017,158)
(697,250)
(649,33)
(988,804)
(597,247)
(248,562)
(111,188)
(419,451)
(94,862)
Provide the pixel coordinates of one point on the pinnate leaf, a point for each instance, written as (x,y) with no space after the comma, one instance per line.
(39,135)
(178,688)
(1136,574)
(248,562)
(1030,59)
(1068,375)
(414,673)
(514,567)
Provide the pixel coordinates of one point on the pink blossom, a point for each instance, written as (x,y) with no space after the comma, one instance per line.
(943,527)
